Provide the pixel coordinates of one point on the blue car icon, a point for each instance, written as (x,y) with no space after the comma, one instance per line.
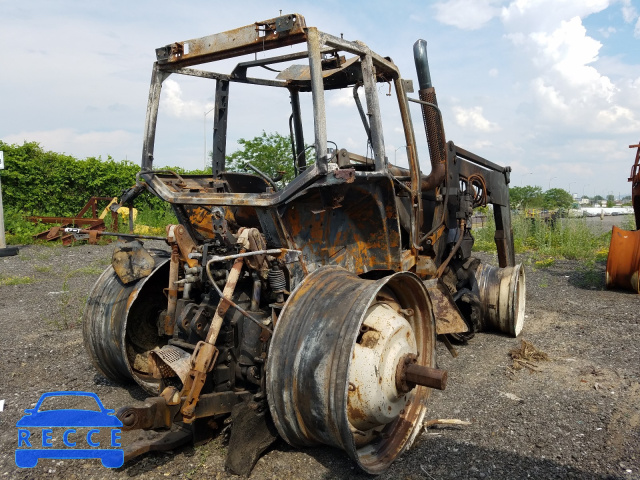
(43,422)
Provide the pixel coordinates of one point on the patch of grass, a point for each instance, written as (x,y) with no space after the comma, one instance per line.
(67,315)
(591,275)
(6,280)
(88,270)
(569,238)
(19,231)
(545,262)
(629,223)
(203,454)
(156,218)
(42,268)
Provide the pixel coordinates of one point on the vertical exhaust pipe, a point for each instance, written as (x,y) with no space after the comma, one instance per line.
(432,120)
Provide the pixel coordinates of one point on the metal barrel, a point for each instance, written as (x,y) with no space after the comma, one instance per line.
(502,294)
(119,324)
(331,370)
(623,261)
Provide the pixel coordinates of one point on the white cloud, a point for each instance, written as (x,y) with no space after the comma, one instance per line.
(568,90)
(493,72)
(607,32)
(466,14)
(67,140)
(343,98)
(474,119)
(176,106)
(629,12)
(636,30)
(545,15)
(568,51)
(481,144)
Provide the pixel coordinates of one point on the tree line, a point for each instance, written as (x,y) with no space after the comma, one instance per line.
(39,182)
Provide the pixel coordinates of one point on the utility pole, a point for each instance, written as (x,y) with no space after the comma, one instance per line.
(4,251)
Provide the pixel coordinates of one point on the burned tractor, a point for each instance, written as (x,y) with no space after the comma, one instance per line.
(310,310)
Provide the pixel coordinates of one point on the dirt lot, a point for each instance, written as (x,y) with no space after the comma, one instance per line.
(576,416)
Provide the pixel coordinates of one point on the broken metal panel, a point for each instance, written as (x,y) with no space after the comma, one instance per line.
(447,315)
(131,261)
(355,227)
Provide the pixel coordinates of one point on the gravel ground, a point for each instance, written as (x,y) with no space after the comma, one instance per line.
(577,416)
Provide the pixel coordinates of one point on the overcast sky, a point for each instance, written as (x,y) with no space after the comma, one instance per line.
(550,87)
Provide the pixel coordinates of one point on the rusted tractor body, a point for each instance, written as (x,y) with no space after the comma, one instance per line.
(623,261)
(308,311)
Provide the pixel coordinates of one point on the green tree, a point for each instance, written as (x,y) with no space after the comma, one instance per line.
(270,152)
(611,201)
(557,198)
(526,197)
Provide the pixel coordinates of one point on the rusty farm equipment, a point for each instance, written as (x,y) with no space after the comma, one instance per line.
(92,226)
(623,261)
(308,311)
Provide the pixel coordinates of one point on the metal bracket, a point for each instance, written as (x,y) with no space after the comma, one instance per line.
(285,23)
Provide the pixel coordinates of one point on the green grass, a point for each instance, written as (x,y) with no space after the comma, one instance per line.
(149,221)
(570,238)
(88,270)
(157,218)
(19,231)
(6,280)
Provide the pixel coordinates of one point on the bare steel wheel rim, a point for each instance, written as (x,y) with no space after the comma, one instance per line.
(318,385)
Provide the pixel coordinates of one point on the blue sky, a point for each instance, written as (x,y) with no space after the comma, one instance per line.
(550,87)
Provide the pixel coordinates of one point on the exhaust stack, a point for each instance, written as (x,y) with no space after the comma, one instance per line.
(432,120)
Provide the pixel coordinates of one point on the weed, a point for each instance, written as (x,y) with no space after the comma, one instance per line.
(42,268)
(67,315)
(63,320)
(19,230)
(156,218)
(545,263)
(203,454)
(569,238)
(629,223)
(591,275)
(8,280)
(88,270)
